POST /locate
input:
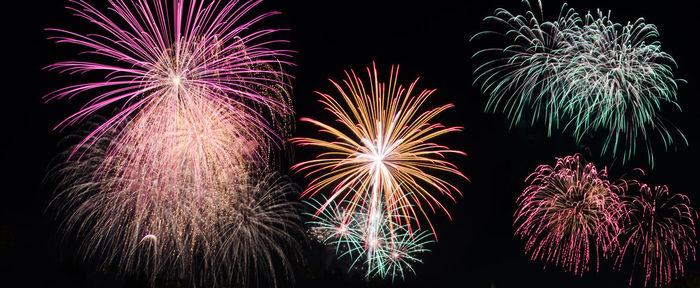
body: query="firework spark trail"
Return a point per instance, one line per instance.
(263, 228)
(388, 249)
(381, 148)
(659, 234)
(586, 75)
(569, 214)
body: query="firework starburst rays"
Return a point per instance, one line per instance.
(382, 146)
(198, 144)
(521, 75)
(200, 49)
(617, 79)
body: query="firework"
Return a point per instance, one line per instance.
(617, 80)
(263, 228)
(381, 147)
(659, 233)
(386, 248)
(333, 227)
(157, 59)
(396, 251)
(522, 79)
(586, 75)
(225, 233)
(201, 100)
(569, 214)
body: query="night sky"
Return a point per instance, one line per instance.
(428, 40)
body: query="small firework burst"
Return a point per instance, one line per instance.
(334, 227)
(569, 214)
(386, 248)
(397, 251)
(589, 75)
(659, 233)
(381, 147)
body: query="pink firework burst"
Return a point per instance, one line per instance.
(569, 214)
(157, 58)
(659, 233)
(201, 98)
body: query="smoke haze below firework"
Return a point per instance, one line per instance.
(429, 41)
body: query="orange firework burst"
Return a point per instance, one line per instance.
(382, 147)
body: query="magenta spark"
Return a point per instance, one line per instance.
(569, 214)
(659, 234)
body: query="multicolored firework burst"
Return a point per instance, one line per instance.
(587, 75)
(386, 252)
(382, 148)
(201, 101)
(659, 233)
(569, 214)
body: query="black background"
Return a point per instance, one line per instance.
(429, 40)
